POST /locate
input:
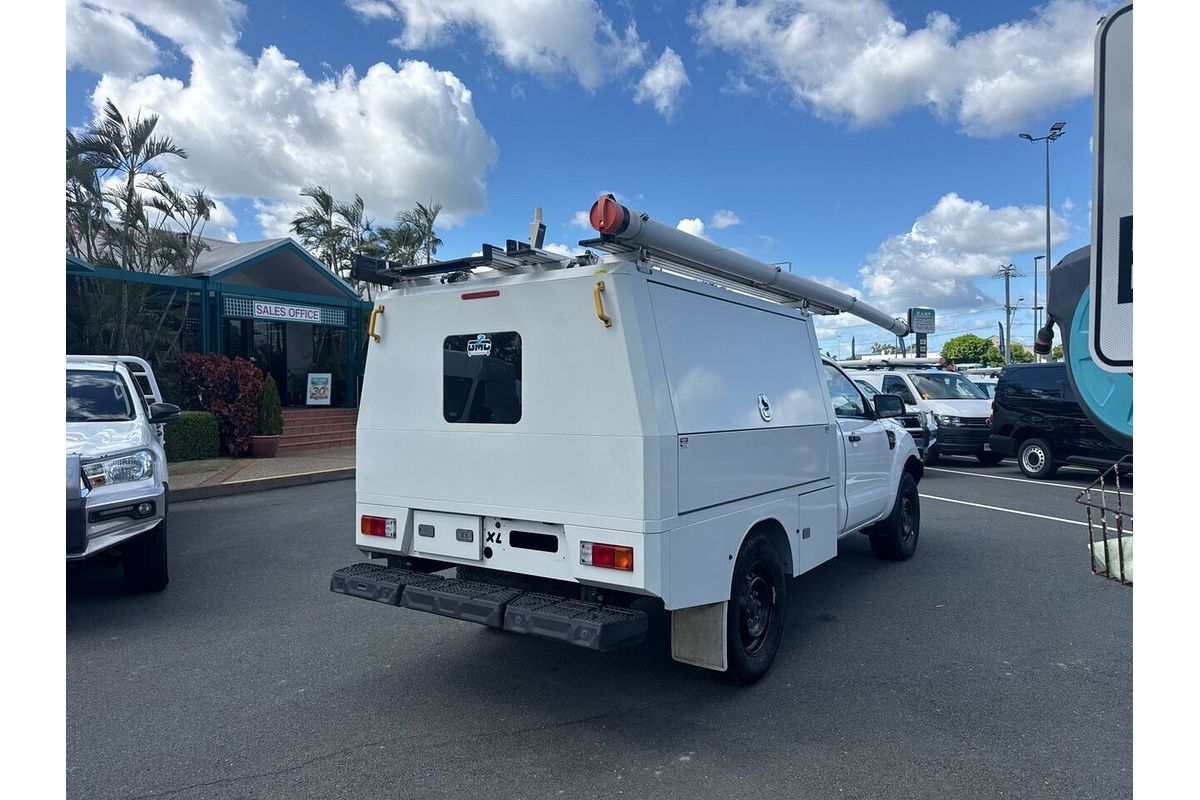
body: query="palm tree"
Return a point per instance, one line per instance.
(126, 148)
(87, 217)
(317, 227)
(421, 220)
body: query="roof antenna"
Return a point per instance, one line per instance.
(537, 231)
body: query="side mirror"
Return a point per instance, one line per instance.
(888, 405)
(163, 412)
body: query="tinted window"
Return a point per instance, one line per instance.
(97, 397)
(894, 384)
(945, 386)
(1045, 382)
(481, 378)
(987, 388)
(847, 402)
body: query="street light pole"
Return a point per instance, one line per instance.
(1055, 133)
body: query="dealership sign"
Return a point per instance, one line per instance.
(922, 320)
(1111, 324)
(294, 313)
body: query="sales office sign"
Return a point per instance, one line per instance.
(294, 313)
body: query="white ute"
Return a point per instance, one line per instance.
(116, 478)
(577, 434)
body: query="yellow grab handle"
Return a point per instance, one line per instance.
(375, 312)
(600, 304)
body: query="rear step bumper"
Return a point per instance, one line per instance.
(590, 625)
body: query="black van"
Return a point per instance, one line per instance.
(1036, 418)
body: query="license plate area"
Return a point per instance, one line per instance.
(439, 534)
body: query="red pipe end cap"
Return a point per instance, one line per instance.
(607, 215)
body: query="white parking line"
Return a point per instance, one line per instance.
(1006, 510)
(1019, 480)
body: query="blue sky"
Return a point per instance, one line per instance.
(872, 144)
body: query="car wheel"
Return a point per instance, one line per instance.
(145, 567)
(754, 620)
(1036, 459)
(895, 538)
(989, 457)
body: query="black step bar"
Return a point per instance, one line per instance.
(577, 622)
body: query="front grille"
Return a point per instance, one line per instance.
(976, 422)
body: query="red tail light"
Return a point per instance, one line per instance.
(610, 556)
(480, 295)
(378, 526)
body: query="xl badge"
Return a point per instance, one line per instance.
(481, 345)
(764, 408)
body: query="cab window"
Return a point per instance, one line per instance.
(894, 384)
(847, 400)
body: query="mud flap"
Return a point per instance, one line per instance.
(698, 636)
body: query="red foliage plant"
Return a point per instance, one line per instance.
(229, 388)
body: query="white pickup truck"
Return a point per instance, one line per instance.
(575, 434)
(116, 477)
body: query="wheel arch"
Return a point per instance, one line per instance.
(777, 535)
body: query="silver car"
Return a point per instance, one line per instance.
(116, 476)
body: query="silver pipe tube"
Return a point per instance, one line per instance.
(636, 228)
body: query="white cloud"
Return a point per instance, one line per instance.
(662, 83)
(693, 226)
(581, 220)
(103, 41)
(938, 261)
(855, 60)
(262, 128)
(724, 218)
(546, 37)
(561, 249)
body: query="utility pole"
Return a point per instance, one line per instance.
(1007, 272)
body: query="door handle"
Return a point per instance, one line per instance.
(854, 437)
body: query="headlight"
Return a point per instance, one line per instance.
(132, 467)
(948, 421)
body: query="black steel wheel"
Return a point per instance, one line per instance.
(1036, 459)
(754, 622)
(895, 538)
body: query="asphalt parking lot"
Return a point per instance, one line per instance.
(993, 664)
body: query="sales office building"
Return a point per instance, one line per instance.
(268, 301)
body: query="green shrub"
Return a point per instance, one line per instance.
(270, 410)
(193, 436)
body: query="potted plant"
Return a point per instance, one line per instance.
(265, 443)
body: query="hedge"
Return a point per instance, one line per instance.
(194, 435)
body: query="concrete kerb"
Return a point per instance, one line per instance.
(260, 484)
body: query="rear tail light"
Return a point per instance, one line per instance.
(378, 526)
(610, 556)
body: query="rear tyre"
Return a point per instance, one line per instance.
(989, 457)
(1036, 459)
(754, 620)
(145, 567)
(895, 538)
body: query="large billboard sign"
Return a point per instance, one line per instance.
(1111, 339)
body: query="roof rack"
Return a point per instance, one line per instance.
(631, 235)
(515, 254)
(890, 363)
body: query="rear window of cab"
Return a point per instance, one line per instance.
(481, 378)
